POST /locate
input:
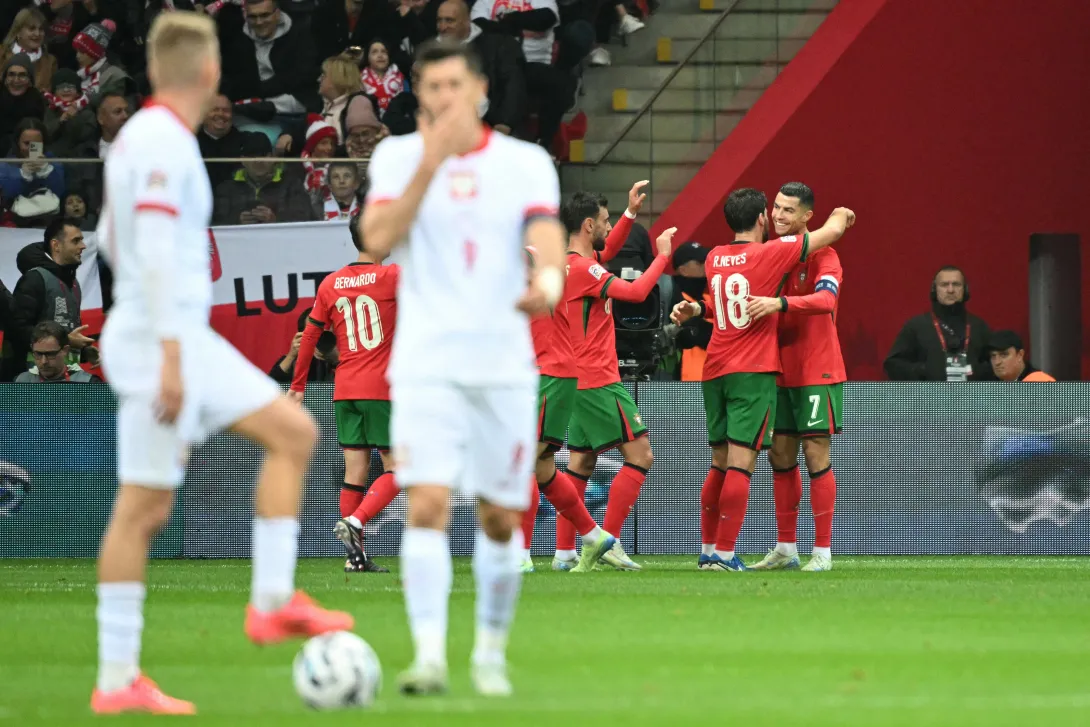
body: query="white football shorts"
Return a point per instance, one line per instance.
(481, 440)
(220, 387)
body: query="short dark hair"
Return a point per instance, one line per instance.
(441, 49)
(108, 95)
(29, 123)
(55, 229)
(354, 230)
(343, 164)
(579, 207)
(804, 194)
(743, 208)
(49, 329)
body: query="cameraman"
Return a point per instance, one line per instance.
(691, 284)
(947, 344)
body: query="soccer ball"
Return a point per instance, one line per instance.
(337, 670)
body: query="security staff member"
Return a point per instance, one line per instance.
(1009, 362)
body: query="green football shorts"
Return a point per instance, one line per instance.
(363, 423)
(555, 403)
(810, 411)
(604, 417)
(741, 409)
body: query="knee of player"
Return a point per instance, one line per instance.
(300, 435)
(639, 454)
(497, 523)
(720, 457)
(428, 506)
(816, 452)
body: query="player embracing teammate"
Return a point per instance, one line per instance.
(739, 381)
(359, 302)
(810, 396)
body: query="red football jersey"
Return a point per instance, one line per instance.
(589, 318)
(552, 341)
(809, 346)
(735, 272)
(359, 301)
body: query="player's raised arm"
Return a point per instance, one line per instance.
(638, 290)
(834, 228)
(619, 234)
(822, 301)
(400, 174)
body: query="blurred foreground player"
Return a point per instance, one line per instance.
(360, 302)
(810, 391)
(604, 415)
(743, 360)
(457, 203)
(176, 380)
(556, 399)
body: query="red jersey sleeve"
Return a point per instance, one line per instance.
(828, 275)
(589, 279)
(786, 252)
(318, 318)
(618, 236)
(637, 291)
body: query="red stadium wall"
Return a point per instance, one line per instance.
(954, 128)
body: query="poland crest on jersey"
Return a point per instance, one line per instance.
(463, 185)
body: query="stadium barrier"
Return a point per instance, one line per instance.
(921, 468)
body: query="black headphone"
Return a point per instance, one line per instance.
(945, 268)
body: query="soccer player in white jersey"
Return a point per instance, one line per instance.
(176, 380)
(457, 203)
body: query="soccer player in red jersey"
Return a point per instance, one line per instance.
(810, 396)
(605, 415)
(739, 378)
(556, 400)
(360, 302)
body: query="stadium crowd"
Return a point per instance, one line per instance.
(309, 79)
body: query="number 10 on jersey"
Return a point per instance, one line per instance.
(361, 322)
(731, 300)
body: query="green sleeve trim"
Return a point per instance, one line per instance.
(605, 286)
(805, 247)
(783, 304)
(314, 322)
(783, 282)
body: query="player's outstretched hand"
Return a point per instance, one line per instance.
(296, 396)
(849, 216)
(454, 131)
(636, 197)
(759, 307)
(665, 243)
(76, 339)
(683, 311)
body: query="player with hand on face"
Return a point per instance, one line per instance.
(604, 415)
(359, 301)
(743, 360)
(457, 204)
(810, 391)
(556, 398)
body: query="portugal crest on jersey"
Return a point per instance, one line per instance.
(802, 277)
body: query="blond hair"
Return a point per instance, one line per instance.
(177, 42)
(343, 73)
(25, 17)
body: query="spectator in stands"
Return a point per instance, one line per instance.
(64, 20)
(27, 35)
(99, 77)
(947, 344)
(47, 291)
(1008, 357)
(552, 88)
(341, 24)
(35, 177)
(321, 143)
(75, 209)
(49, 348)
(364, 129)
(19, 99)
(5, 306)
(262, 191)
(339, 80)
(381, 78)
(606, 17)
(400, 116)
(340, 199)
(690, 283)
(112, 112)
(501, 61)
(322, 366)
(272, 60)
(219, 138)
(70, 123)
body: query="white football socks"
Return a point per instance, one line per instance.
(787, 548)
(120, 622)
(827, 552)
(593, 535)
(275, 547)
(426, 576)
(496, 571)
(707, 549)
(725, 554)
(567, 555)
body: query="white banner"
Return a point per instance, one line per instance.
(269, 265)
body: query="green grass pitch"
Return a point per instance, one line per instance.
(877, 642)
